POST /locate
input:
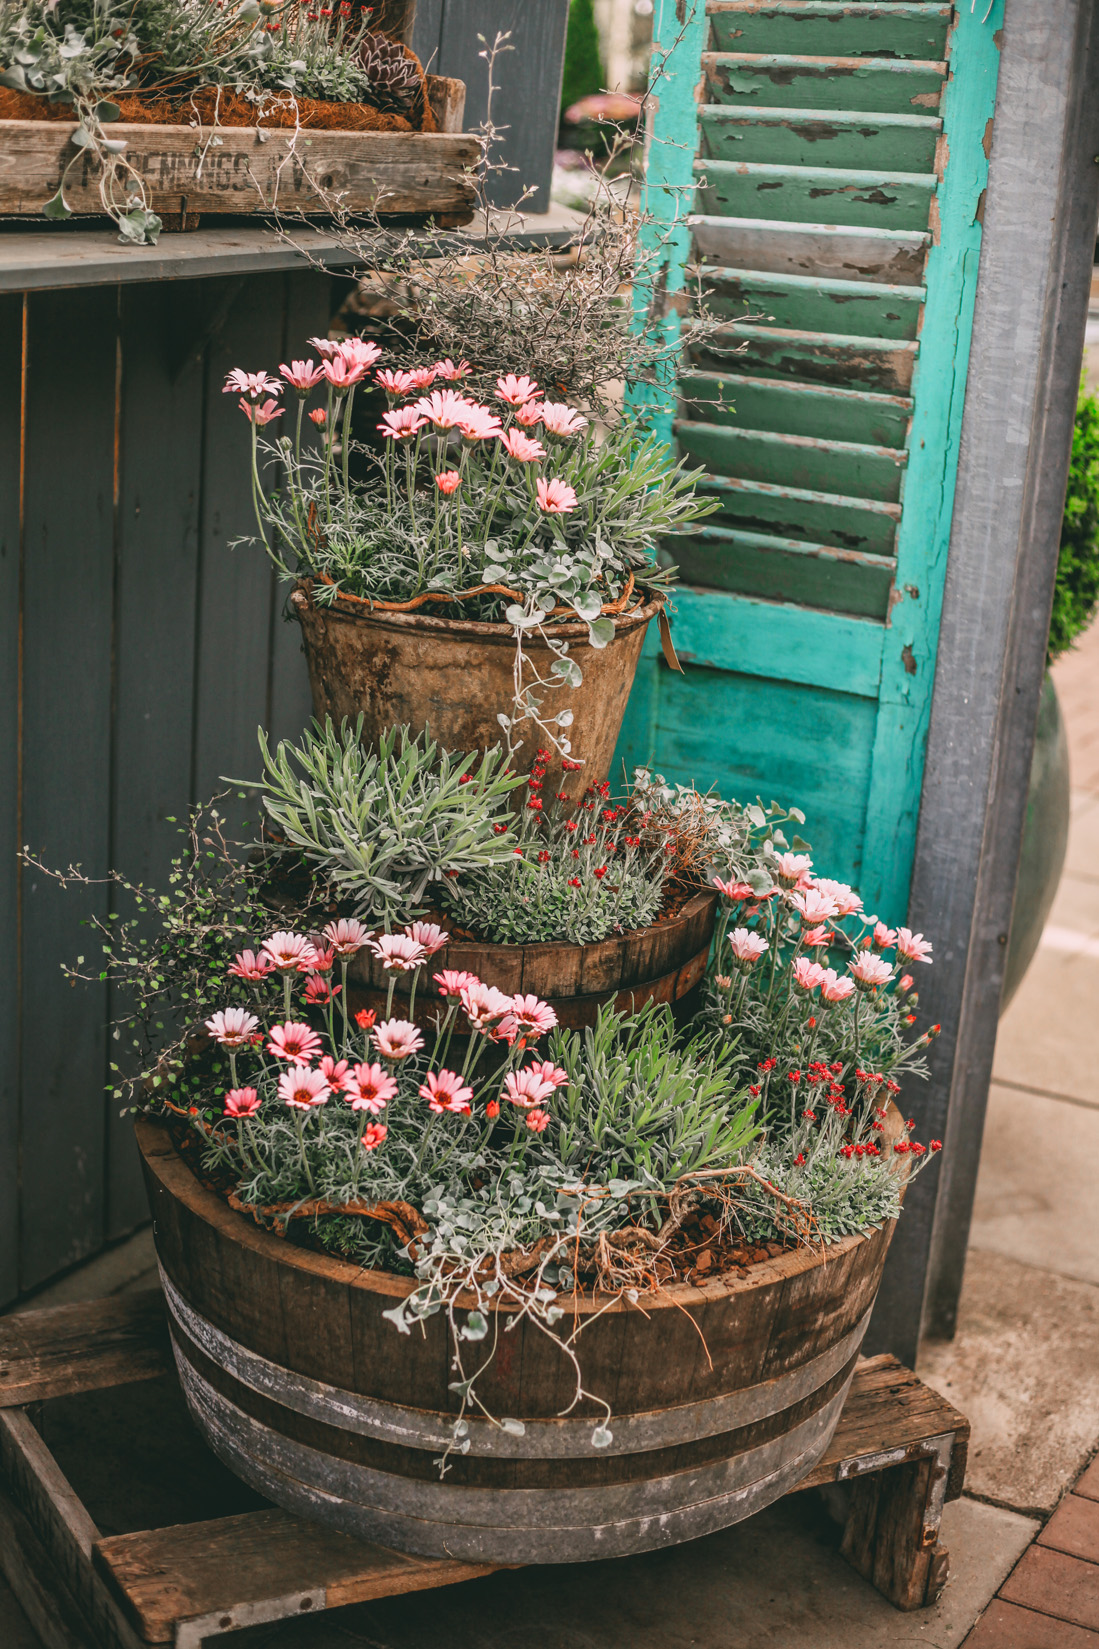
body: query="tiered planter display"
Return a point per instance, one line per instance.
(724, 1396)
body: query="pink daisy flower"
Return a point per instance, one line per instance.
(299, 1043)
(870, 970)
(335, 1073)
(319, 417)
(562, 420)
(343, 374)
(516, 391)
(449, 372)
(444, 407)
(247, 965)
(241, 1102)
(428, 935)
(397, 952)
(370, 1088)
(793, 868)
(807, 974)
(526, 1088)
(746, 946)
(479, 424)
(347, 936)
(318, 991)
(813, 906)
(260, 415)
(452, 981)
(913, 946)
(484, 1005)
(448, 481)
(445, 1091)
(400, 425)
(325, 347)
(232, 1027)
(302, 375)
(532, 1015)
(397, 1038)
(883, 936)
(423, 376)
(554, 497)
(302, 1088)
(255, 384)
(546, 1071)
(736, 891)
(529, 415)
(289, 952)
(358, 352)
(374, 1135)
(520, 446)
(395, 383)
(537, 1121)
(835, 989)
(845, 899)
(817, 936)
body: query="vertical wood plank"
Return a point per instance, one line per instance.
(427, 29)
(309, 300)
(67, 649)
(236, 588)
(939, 388)
(11, 355)
(527, 106)
(160, 445)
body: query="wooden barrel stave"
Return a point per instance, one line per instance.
(304, 1390)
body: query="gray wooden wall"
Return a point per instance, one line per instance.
(137, 657)
(444, 37)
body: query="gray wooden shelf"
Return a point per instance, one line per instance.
(49, 256)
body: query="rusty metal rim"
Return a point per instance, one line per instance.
(543, 1439)
(467, 628)
(507, 1525)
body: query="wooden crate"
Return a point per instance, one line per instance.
(242, 170)
(898, 1454)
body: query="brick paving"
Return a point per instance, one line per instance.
(1050, 1600)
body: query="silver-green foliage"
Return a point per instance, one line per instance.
(383, 824)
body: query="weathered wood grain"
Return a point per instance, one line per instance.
(815, 303)
(810, 137)
(894, 256)
(814, 194)
(11, 465)
(810, 461)
(884, 365)
(860, 524)
(782, 569)
(163, 1576)
(244, 171)
(873, 85)
(795, 408)
(829, 28)
(41, 1594)
(85, 1347)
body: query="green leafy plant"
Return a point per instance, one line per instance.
(380, 826)
(1076, 590)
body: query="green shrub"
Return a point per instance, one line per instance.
(1076, 591)
(583, 73)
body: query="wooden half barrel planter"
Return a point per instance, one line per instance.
(455, 677)
(723, 1396)
(664, 962)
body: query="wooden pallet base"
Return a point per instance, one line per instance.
(897, 1456)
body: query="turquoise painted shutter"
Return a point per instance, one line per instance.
(825, 163)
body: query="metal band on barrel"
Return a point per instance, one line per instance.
(542, 1439)
(506, 1525)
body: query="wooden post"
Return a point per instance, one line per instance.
(1039, 234)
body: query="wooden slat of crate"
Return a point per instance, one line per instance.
(226, 1567)
(241, 171)
(72, 1348)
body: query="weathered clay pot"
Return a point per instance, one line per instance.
(454, 677)
(723, 1396)
(660, 963)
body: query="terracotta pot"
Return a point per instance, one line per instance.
(723, 1396)
(660, 963)
(454, 677)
